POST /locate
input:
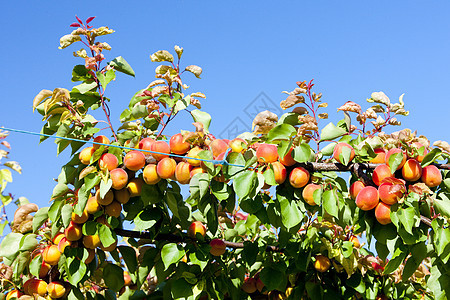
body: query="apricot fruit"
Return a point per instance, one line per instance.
(85, 155)
(102, 220)
(308, 193)
(100, 139)
(183, 172)
(178, 145)
(92, 206)
(396, 150)
(367, 198)
(51, 255)
(355, 188)
(419, 146)
(431, 176)
(218, 147)
(114, 209)
(108, 161)
(412, 170)
(338, 151)
(380, 158)
(36, 286)
(123, 196)
(288, 160)
(299, 177)
(119, 178)
(249, 285)
(107, 199)
(197, 170)
(14, 294)
(150, 174)
(91, 241)
(322, 263)
(73, 232)
(91, 256)
(56, 290)
(218, 247)
(57, 238)
(237, 145)
(145, 144)
(110, 247)
(196, 227)
(79, 219)
(45, 268)
(267, 153)
(135, 187)
(194, 154)
(161, 147)
(388, 194)
(134, 160)
(166, 168)
(126, 278)
(280, 172)
(381, 172)
(63, 243)
(383, 213)
(355, 241)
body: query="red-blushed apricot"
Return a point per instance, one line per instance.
(63, 243)
(308, 193)
(166, 168)
(135, 187)
(91, 256)
(134, 160)
(355, 241)
(390, 193)
(217, 247)
(145, 144)
(288, 160)
(412, 170)
(91, 241)
(14, 294)
(119, 178)
(217, 147)
(161, 147)
(113, 209)
(420, 146)
(380, 158)
(150, 174)
(108, 161)
(102, 220)
(431, 176)
(194, 154)
(280, 172)
(183, 172)
(92, 206)
(367, 198)
(196, 227)
(123, 196)
(56, 289)
(51, 255)
(178, 145)
(383, 213)
(45, 268)
(27, 284)
(396, 150)
(197, 171)
(107, 199)
(110, 247)
(85, 155)
(237, 145)
(267, 153)
(126, 278)
(36, 286)
(355, 188)
(338, 150)
(299, 177)
(100, 139)
(73, 232)
(80, 219)
(57, 238)
(322, 263)
(249, 285)
(381, 172)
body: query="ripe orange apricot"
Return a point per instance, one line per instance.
(123, 196)
(217, 147)
(380, 158)
(197, 171)
(338, 150)
(194, 154)
(431, 176)
(14, 294)
(238, 145)
(367, 198)
(161, 147)
(280, 172)
(383, 213)
(63, 243)
(135, 187)
(57, 238)
(51, 255)
(412, 170)
(355, 241)
(85, 155)
(166, 168)
(381, 172)
(91, 241)
(110, 247)
(36, 286)
(267, 153)
(322, 263)
(134, 160)
(299, 177)
(183, 172)
(100, 139)
(114, 209)
(249, 285)
(108, 161)
(196, 227)
(288, 160)
(79, 219)
(92, 206)
(389, 194)
(56, 289)
(119, 178)
(126, 278)
(107, 199)
(45, 268)
(355, 188)
(145, 144)
(218, 247)
(178, 145)
(91, 256)
(396, 150)
(73, 232)
(308, 193)
(150, 174)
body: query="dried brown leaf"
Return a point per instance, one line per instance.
(323, 116)
(291, 100)
(155, 83)
(324, 104)
(351, 106)
(443, 145)
(196, 70)
(300, 110)
(263, 122)
(198, 95)
(22, 217)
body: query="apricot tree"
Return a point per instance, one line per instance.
(270, 214)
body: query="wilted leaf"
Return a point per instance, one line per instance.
(80, 53)
(23, 221)
(14, 165)
(323, 116)
(443, 145)
(379, 97)
(291, 100)
(199, 95)
(196, 70)
(161, 55)
(178, 50)
(42, 96)
(154, 83)
(101, 31)
(300, 110)
(263, 122)
(68, 40)
(350, 106)
(323, 104)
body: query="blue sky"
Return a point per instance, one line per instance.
(245, 48)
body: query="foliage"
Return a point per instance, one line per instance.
(280, 224)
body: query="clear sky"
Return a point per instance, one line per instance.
(248, 50)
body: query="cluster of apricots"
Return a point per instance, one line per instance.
(391, 187)
(218, 246)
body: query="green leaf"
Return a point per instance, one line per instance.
(66, 214)
(395, 161)
(396, 260)
(106, 235)
(85, 87)
(442, 205)
(431, 157)
(39, 218)
(129, 256)
(290, 214)
(147, 218)
(9, 248)
(113, 277)
(328, 149)
(273, 278)
(59, 190)
(35, 265)
(171, 253)
(106, 78)
(407, 217)
(243, 183)
(302, 153)
(330, 202)
(54, 212)
(202, 117)
(345, 154)
(330, 132)
(281, 132)
(181, 289)
(28, 242)
(121, 65)
(250, 252)
(105, 187)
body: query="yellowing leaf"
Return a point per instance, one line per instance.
(161, 55)
(43, 95)
(101, 31)
(323, 116)
(80, 53)
(196, 70)
(198, 95)
(323, 104)
(14, 165)
(155, 82)
(68, 40)
(178, 50)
